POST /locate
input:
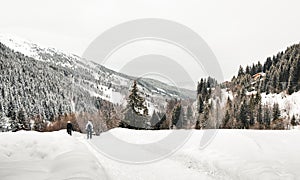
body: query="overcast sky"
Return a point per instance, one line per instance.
(238, 32)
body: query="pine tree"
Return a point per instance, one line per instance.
(154, 118)
(136, 111)
(200, 104)
(229, 103)
(251, 108)
(247, 71)
(267, 117)
(176, 116)
(292, 78)
(200, 86)
(136, 102)
(241, 71)
(189, 113)
(189, 116)
(257, 98)
(276, 111)
(226, 119)
(244, 114)
(259, 114)
(205, 119)
(293, 121)
(198, 125)
(23, 120)
(251, 117)
(259, 67)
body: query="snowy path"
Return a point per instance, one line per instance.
(169, 168)
(233, 154)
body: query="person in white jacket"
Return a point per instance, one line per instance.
(89, 129)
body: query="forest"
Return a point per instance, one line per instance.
(44, 95)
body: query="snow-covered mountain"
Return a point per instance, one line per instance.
(76, 78)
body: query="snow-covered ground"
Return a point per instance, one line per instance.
(288, 104)
(232, 154)
(52, 156)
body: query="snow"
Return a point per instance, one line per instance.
(288, 104)
(232, 154)
(20, 45)
(139, 137)
(226, 94)
(31, 49)
(117, 98)
(251, 93)
(161, 90)
(55, 155)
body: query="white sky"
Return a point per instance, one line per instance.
(238, 32)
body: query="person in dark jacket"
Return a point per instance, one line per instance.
(69, 128)
(89, 129)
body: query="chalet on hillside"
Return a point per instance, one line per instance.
(258, 76)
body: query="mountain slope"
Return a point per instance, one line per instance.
(261, 96)
(39, 81)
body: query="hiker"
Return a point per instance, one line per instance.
(89, 129)
(69, 128)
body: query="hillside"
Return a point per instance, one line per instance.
(45, 83)
(280, 73)
(262, 96)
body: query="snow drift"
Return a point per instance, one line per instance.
(56, 155)
(232, 154)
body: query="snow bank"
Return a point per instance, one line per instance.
(232, 154)
(32, 155)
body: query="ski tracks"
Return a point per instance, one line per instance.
(92, 149)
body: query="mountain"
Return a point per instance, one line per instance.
(43, 81)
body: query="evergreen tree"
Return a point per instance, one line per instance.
(276, 111)
(154, 118)
(251, 117)
(292, 82)
(247, 71)
(200, 86)
(251, 108)
(293, 121)
(205, 119)
(259, 117)
(136, 102)
(23, 120)
(226, 119)
(267, 116)
(200, 104)
(241, 71)
(189, 116)
(198, 125)
(189, 113)
(244, 115)
(176, 116)
(259, 67)
(229, 103)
